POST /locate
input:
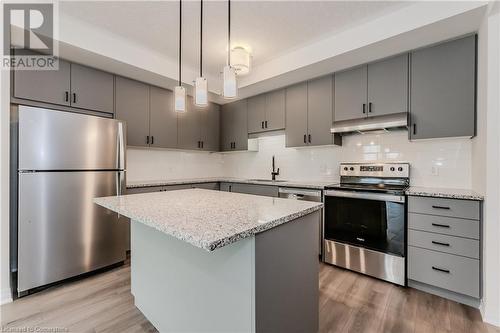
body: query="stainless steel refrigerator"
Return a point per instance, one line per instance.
(64, 161)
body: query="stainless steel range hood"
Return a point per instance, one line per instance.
(370, 124)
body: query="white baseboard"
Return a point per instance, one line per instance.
(5, 296)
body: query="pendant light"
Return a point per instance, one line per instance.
(200, 84)
(230, 88)
(179, 91)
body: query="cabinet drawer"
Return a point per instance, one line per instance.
(447, 271)
(444, 225)
(442, 243)
(147, 189)
(466, 209)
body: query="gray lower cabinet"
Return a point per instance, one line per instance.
(91, 89)
(309, 113)
(162, 118)
(442, 90)
(132, 106)
(48, 86)
(444, 247)
(266, 112)
(233, 126)
(265, 190)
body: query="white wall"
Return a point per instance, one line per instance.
(485, 156)
(451, 158)
(145, 164)
(4, 180)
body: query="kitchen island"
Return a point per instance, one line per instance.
(210, 261)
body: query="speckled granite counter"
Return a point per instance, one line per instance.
(208, 219)
(450, 193)
(319, 185)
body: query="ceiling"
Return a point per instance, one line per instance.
(268, 28)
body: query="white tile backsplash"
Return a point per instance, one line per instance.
(436, 163)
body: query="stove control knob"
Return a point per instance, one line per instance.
(351, 168)
(392, 169)
(346, 168)
(400, 169)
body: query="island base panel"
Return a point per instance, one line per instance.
(264, 283)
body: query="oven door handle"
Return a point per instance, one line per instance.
(365, 195)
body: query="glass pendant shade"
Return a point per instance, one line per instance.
(179, 99)
(230, 89)
(240, 60)
(200, 92)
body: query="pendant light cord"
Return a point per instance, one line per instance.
(229, 32)
(180, 41)
(201, 38)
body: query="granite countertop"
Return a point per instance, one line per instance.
(451, 193)
(205, 218)
(318, 185)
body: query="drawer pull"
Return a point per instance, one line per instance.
(440, 207)
(439, 243)
(441, 270)
(440, 225)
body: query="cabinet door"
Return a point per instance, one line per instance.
(132, 106)
(210, 127)
(256, 113)
(226, 127)
(47, 86)
(388, 86)
(240, 123)
(91, 89)
(275, 110)
(443, 90)
(264, 190)
(163, 118)
(350, 94)
(320, 111)
(296, 115)
(189, 130)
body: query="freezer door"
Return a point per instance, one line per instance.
(57, 140)
(62, 233)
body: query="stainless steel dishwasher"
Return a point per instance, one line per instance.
(305, 195)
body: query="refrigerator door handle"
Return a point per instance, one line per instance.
(121, 146)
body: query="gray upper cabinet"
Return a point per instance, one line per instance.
(351, 94)
(296, 115)
(188, 135)
(234, 128)
(256, 113)
(275, 110)
(198, 128)
(266, 112)
(132, 106)
(91, 89)
(320, 111)
(162, 118)
(44, 86)
(210, 128)
(442, 90)
(388, 86)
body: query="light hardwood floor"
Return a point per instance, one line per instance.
(349, 302)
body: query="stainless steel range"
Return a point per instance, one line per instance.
(365, 220)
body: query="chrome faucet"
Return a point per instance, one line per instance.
(274, 173)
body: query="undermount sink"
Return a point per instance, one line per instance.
(268, 180)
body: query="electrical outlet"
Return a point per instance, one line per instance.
(435, 170)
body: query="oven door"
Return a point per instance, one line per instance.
(371, 220)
